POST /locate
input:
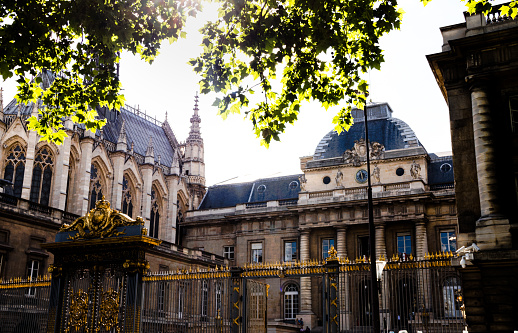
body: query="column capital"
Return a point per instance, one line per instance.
(478, 82)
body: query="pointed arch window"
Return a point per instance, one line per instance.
(154, 220)
(15, 168)
(96, 188)
(42, 176)
(127, 197)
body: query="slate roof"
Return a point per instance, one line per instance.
(260, 190)
(440, 170)
(138, 129)
(383, 128)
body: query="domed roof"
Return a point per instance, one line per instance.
(390, 132)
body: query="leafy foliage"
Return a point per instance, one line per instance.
(318, 49)
(80, 41)
(291, 51)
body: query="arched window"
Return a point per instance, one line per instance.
(96, 188)
(15, 168)
(451, 291)
(42, 177)
(291, 301)
(127, 197)
(154, 219)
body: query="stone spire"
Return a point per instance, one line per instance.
(150, 152)
(195, 134)
(122, 139)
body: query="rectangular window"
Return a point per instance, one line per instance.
(448, 241)
(33, 267)
(326, 246)
(404, 244)
(363, 247)
(228, 252)
(257, 252)
(290, 251)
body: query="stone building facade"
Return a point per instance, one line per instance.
(135, 162)
(476, 72)
(299, 217)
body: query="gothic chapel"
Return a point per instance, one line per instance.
(135, 162)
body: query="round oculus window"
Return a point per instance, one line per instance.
(446, 167)
(261, 189)
(293, 185)
(326, 180)
(400, 171)
(361, 176)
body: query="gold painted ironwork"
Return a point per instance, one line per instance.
(109, 311)
(100, 222)
(78, 310)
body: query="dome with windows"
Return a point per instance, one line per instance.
(391, 132)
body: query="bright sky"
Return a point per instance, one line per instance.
(231, 149)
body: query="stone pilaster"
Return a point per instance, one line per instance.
(29, 164)
(83, 174)
(168, 232)
(59, 196)
(492, 229)
(118, 173)
(147, 177)
(421, 240)
(381, 246)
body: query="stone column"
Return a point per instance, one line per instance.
(305, 283)
(492, 229)
(341, 242)
(421, 240)
(424, 279)
(83, 174)
(381, 246)
(344, 295)
(59, 195)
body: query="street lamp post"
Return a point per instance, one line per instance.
(375, 311)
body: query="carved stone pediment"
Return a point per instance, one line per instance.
(358, 153)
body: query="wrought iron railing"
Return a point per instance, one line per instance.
(24, 305)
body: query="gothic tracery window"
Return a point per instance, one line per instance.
(127, 198)
(42, 176)
(15, 168)
(96, 189)
(154, 220)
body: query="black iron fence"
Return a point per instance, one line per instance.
(24, 305)
(203, 300)
(414, 296)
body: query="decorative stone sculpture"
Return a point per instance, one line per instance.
(376, 174)
(339, 178)
(415, 170)
(302, 181)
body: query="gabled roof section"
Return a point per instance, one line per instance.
(260, 190)
(138, 132)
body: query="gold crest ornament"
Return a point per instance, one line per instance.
(100, 222)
